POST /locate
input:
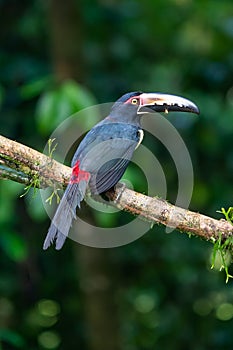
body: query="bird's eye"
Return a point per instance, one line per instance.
(134, 101)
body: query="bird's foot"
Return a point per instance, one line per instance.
(120, 187)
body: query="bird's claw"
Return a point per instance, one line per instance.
(121, 186)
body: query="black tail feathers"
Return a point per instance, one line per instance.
(65, 213)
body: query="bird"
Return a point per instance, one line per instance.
(105, 152)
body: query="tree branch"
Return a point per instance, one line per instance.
(25, 165)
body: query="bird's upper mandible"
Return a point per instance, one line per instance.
(156, 102)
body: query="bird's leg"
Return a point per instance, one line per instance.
(121, 186)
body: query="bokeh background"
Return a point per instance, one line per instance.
(57, 57)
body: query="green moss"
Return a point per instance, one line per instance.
(54, 194)
(223, 248)
(34, 183)
(51, 147)
(227, 213)
(223, 251)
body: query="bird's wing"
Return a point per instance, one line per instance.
(105, 153)
(112, 168)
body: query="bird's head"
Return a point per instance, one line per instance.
(134, 104)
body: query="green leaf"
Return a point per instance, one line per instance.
(35, 87)
(12, 338)
(63, 108)
(14, 246)
(227, 213)
(77, 95)
(46, 111)
(56, 105)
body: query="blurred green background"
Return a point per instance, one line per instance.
(159, 292)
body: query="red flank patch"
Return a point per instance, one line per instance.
(79, 174)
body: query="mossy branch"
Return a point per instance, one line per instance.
(26, 165)
(23, 164)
